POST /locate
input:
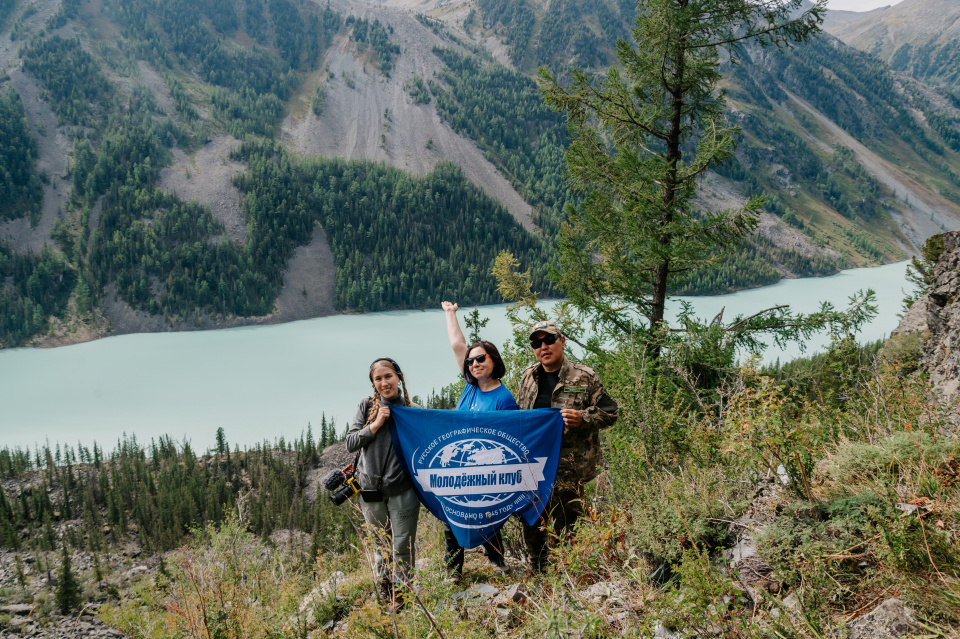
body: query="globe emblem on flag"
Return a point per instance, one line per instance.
(475, 452)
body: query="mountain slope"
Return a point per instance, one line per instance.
(368, 115)
(856, 160)
(796, 107)
(147, 209)
(920, 37)
(209, 163)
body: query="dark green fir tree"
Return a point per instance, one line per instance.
(68, 587)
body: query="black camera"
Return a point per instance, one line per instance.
(342, 485)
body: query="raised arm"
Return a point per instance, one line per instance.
(457, 341)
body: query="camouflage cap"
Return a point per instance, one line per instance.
(545, 327)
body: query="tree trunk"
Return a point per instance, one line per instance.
(674, 153)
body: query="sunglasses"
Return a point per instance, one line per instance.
(479, 359)
(549, 340)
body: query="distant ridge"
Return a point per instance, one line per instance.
(921, 37)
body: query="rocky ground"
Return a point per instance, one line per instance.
(28, 609)
(933, 323)
(335, 457)
(503, 598)
(206, 177)
(54, 143)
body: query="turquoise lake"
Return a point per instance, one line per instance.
(260, 383)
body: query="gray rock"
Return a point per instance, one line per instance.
(136, 572)
(889, 620)
(660, 631)
(425, 564)
(477, 593)
(516, 594)
(938, 314)
(749, 569)
(790, 604)
(17, 609)
(908, 509)
(308, 600)
(332, 583)
(604, 592)
(920, 318)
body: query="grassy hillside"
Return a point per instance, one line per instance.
(792, 508)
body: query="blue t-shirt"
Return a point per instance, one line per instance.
(500, 398)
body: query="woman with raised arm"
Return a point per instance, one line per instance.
(388, 500)
(481, 367)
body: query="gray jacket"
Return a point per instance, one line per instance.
(378, 459)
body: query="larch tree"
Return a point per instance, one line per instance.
(642, 138)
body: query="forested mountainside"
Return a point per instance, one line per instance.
(182, 165)
(845, 150)
(919, 37)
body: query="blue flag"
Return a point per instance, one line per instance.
(473, 469)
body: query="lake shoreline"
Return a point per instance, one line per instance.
(125, 320)
(99, 328)
(263, 381)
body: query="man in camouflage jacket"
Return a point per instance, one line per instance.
(555, 381)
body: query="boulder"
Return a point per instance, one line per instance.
(604, 592)
(308, 601)
(17, 609)
(750, 570)
(329, 587)
(889, 620)
(477, 594)
(660, 631)
(921, 317)
(513, 594)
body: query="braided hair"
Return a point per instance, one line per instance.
(375, 404)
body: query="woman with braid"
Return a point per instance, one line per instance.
(481, 367)
(388, 500)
